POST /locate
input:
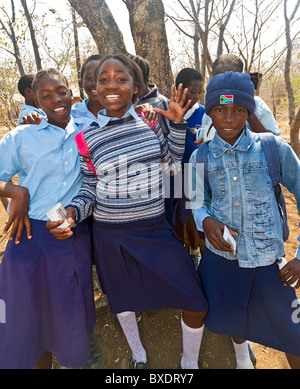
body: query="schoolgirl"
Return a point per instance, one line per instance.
(141, 264)
(46, 284)
(249, 298)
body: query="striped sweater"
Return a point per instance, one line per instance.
(130, 158)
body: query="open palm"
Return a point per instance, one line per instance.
(177, 107)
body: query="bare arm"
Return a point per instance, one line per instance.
(18, 210)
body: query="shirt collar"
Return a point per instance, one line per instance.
(220, 146)
(191, 111)
(103, 120)
(71, 127)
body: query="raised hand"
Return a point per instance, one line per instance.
(177, 106)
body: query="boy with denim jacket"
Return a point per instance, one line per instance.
(247, 295)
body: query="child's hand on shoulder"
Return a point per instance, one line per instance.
(214, 232)
(63, 233)
(32, 118)
(177, 107)
(290, 273)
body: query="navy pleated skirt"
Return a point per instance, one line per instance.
(251, 304)
(47, 288)
(143, 266)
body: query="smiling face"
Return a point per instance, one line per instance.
(115, 87)
(89, 81)
(229, 121)
(55, 99)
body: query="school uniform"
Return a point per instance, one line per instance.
(141, 264)
(246, 296)
(45, 283)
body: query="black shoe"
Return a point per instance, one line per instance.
(133, 364)
(97, 354)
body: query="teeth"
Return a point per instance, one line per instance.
(227, 129)
(59, 109)
(111, 96)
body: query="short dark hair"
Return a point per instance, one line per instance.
(133, 68)
(143, 64)
(229, 59)
(93, 57)
(50, 72)
(25, 82)
(186, 76)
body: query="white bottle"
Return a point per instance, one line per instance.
(282, 262)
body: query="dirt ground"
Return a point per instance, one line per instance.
(160, 330)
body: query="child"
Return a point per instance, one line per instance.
(245, 290)
(183, 218)
(90, 106)
(261, 121)
(46, 284)
(25, 89)
(141, 264)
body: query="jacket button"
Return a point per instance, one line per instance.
(236, 205)
(234, 178)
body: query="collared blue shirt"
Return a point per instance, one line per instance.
(243, 196)
(46, 160)
(80, 110)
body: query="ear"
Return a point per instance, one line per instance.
(71, 92)
(135, 90)
(36, 102)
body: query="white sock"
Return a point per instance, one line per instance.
(241, 351)
(191, 339)
(243, 360)
(131, 331)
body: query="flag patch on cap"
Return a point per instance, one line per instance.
(226, 99)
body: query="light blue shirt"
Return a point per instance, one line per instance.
(26, 109)
(243, 196)
(80, 110)
(46, 160)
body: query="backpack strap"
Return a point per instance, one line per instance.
(201, 157)
(270, 150)
(84, 151)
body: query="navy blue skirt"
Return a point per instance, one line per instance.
(48, 292)
(143, 266)
(251, 304)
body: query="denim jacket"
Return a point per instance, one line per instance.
(243, 197)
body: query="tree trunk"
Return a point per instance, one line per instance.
(146, 18)
(101, 24)
(77, 53)
(294, 134)
(32, 35)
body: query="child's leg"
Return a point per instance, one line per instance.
(131, 331)
(192, 325)
(45, 362)
(192, 233)
(241, 349)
